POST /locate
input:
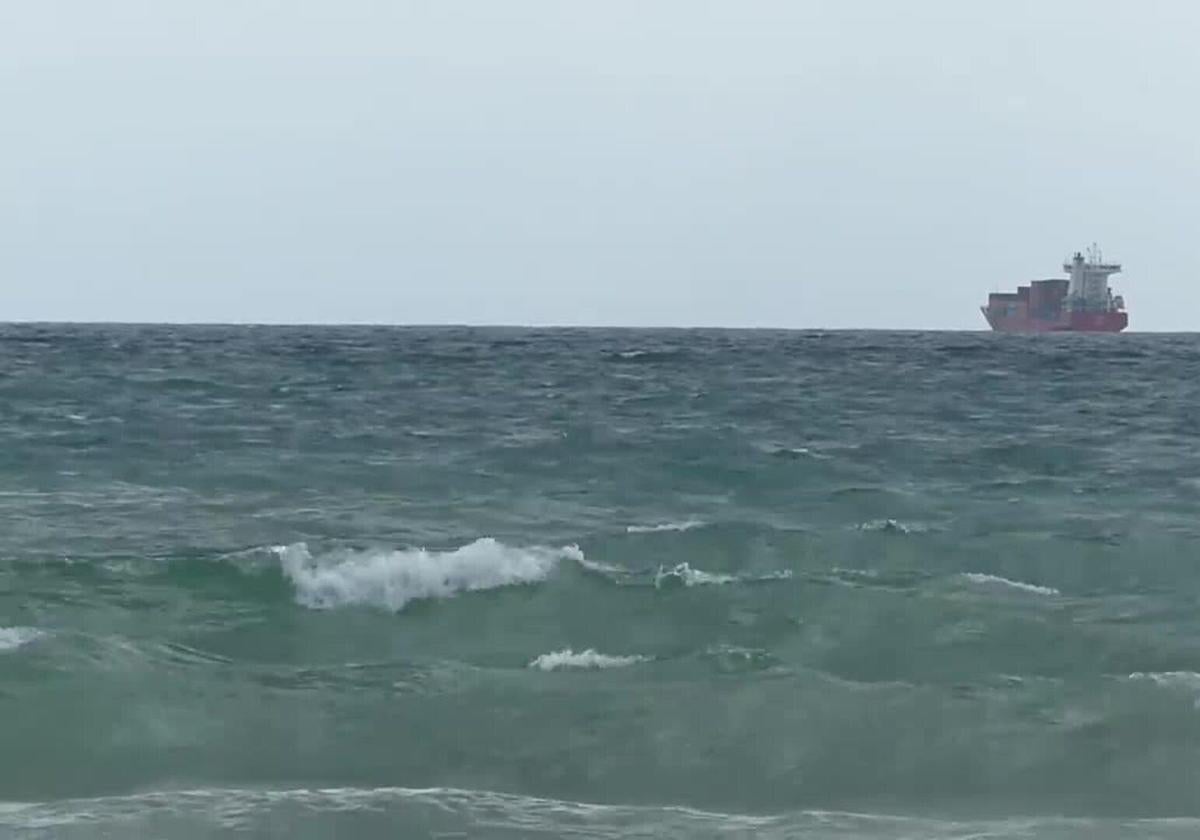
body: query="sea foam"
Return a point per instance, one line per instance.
(1176, 679)
(893, 526)
(392, 579)
(995, 580)
(684, 574)
(686, 525)
(12, 638)
(1188, 681)
(587, 659)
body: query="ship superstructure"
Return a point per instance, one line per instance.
(1083, 302)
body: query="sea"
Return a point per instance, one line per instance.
(454, 582)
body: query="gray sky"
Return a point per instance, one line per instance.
(847, 163)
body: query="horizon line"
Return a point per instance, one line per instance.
(516, 326)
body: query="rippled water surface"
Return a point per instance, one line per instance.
(507, 583)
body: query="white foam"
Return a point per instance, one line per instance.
(688, 576)
(686, 525)
(603, 569)
(685, 574)
(1178, 679)
(392, 579)
(893, 526)
(12, 638)
(995, 580)
(587, 659)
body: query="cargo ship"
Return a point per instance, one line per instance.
(1081, 302)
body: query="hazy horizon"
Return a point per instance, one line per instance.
(464, 325)
(848, 165)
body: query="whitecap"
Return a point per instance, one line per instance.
(686, 525)
(456, 812)
(1189, 681)
(586, 659)
(994, 580)
(1177, 679)
(12, 638)
(392, 579)
(684, 574)
(893, 526)
(794, 452)
(603, 569)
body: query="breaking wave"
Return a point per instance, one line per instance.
(587, 659)
(792, 452)
(646, 356)
(687, 576)
(684, 575)
(994, 580)
(12, 638)
(456, 812)
(616, 574)
(1173, 679)
(393, 579)
(686, 525)
(893, 526)
(1185, 681)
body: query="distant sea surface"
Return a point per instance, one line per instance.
(369, 582)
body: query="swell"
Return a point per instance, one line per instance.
(395, 578)
(325, 722)
(455, 812)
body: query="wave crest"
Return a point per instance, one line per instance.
(893, 526)
(12, 638)
(686, 525)
(646, 356)
(393, 579)
(1176, 679)
(683, 574)
(587, 659)
(995, 580)
(456, 812)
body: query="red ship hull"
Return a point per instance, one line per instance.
(1108, 322)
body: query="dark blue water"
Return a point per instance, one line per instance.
(507, 583)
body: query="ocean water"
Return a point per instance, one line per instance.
(368, 582)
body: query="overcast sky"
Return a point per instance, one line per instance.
(847, 163)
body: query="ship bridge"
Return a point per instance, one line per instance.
(1089, 291)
